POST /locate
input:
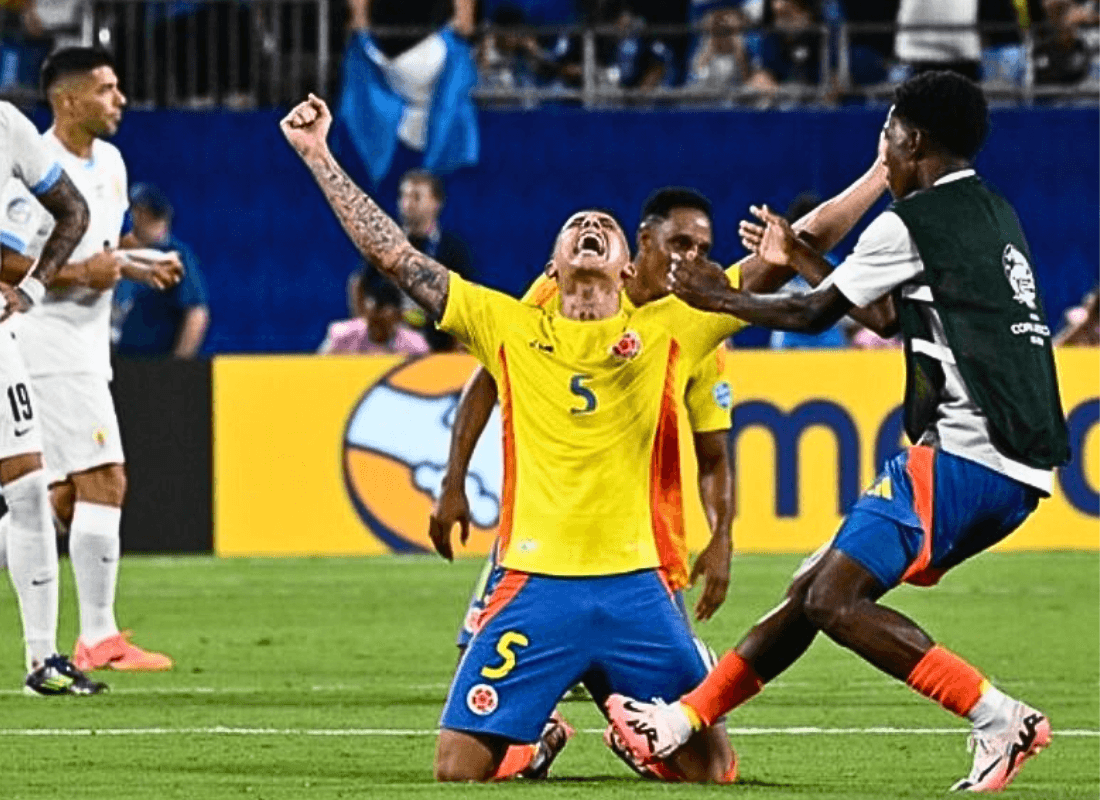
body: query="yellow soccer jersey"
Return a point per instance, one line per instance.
(588, 414)
(707, 403)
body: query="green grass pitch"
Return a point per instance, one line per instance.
(323, 678)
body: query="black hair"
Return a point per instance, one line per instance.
(435, 183)
(73, 61)
(377, 288)
(949, 107)
(661, 202)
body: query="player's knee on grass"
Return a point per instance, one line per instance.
(104, 485)
(464, 757)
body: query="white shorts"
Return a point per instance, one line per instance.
(79, 426)
(19, 406)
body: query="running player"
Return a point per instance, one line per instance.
(65, 344)
(588, 394)
(981, 405)
(27, 544)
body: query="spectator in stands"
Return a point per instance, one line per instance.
(721, 60)
(1061, 54)
(1004, 25)
(377, 328)
(25, 43)
(1082, 326)
(789, 340)
(409, 93)
(510, 59)
(922, 50)
(629, 58)
(148, 321)
(791, 52)
(870, 52)
(419, 203)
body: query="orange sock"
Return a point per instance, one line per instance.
(516, 759)
(730, 683)
(944, 677)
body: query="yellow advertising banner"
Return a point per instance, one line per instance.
(340, 455)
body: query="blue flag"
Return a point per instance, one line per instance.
(371, 111)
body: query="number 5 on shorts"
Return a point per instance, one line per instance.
(505, 643)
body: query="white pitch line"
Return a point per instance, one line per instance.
(221, 730)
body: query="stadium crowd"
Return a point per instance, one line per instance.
(755, 52)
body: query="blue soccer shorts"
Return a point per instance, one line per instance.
(928, 511)
(540, 635)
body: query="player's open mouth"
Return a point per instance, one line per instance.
(591, 243)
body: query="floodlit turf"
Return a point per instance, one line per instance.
(324, 678)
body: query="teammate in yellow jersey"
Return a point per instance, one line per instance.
(674, 219)
(588, 393)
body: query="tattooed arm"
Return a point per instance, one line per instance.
(370, 229)
(70, 212)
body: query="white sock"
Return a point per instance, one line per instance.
(993, 710)
(32, 559)
(5, 523)
(94, 549)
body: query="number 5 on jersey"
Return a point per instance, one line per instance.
(577, 387)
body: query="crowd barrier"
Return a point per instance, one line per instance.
(341, 455)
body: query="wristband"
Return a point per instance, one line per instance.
(33, 288)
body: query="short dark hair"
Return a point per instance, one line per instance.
(661, 202)
(152, 199)
(435, 183)
(384, 294)
(949, 107)
(73, 61)
(372, 285)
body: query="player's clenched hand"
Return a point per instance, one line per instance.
(14, 302)
(306, 126)
(698, 282)
(103, 270)
(450, 508)
(774, 241)
(713, 564)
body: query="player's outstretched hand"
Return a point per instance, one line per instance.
(774, 242)
(698, 282)
(451, 508)
(14, 302)
(713, 565)
(306, 126)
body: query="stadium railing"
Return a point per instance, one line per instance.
(261, 53)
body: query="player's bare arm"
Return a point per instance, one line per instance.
(71, 216)
(822, 229)
(370, 229)
(880, 316)
(697, 283)
(716, 492)
(475, 406)
(101, 271)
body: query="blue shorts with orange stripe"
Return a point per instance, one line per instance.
(487, 582)
(928, 511)
(540, 635)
